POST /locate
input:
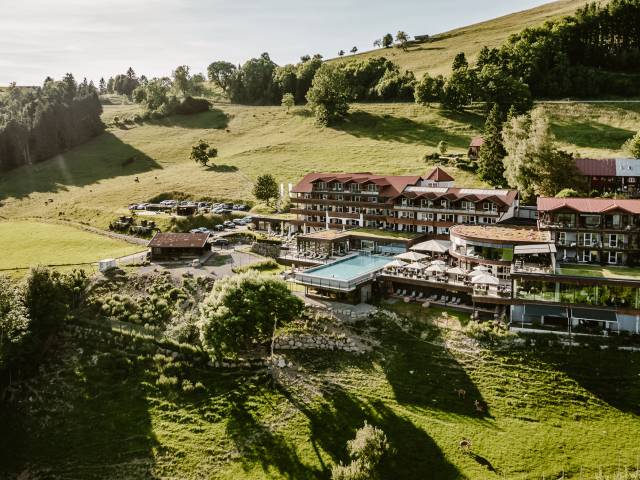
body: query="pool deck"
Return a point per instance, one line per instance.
(355, 275)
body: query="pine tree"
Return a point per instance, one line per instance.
(102, 86)
(490, 166)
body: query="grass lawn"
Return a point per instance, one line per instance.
(548, 412)
(95, 182)
(29, 243)
(599, 271)
(436, 56)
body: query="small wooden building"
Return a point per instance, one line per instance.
(474, 148)
(175, 246)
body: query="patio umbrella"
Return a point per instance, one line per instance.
(435, 246)
(411, 256)
(437, 268)
(485, 279)
(438, 262)
(456, 271)
(416, 266)
(395, 264)
(480, 268)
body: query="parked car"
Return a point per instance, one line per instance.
(219, 227)
(199, 230)
(221, 242)
(241, 207)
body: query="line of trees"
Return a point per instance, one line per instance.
(594, 52)
(37, 123)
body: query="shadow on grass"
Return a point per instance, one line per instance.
(102, 158)
(215, 119)
(590, 134)
(396, 129)
(258, 444)
(95, 425)
(612, 376)
(422, 372)
(336, 418)
(222, 168)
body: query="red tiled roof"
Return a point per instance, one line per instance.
(389, 184)
(473, 195)
(476, 142)
(439, 175)
(593, 167)
(179, 240)
(588, 205)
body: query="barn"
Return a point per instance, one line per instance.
(174, 246)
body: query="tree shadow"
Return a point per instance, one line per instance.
(612, 376)
(397, 129)
(334, 420)
(104, 157)
(215, 119)
(94, 424)
(222, 168)
(590, 134)
(257, 443)
(422, 372)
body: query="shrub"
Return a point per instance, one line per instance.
(191, 105)
(366, 451)
(166, 382)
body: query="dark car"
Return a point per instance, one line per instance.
(219, 227)
(221, 242)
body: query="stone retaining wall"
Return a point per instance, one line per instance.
(318, 342)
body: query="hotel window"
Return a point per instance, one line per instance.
(372, 199)
(490, 207)
(443, 203)
(587, 239)
(339, 197)
(337, 186)
(466, 205)
(372, 187)
(430, 216)
(562, 238)
(356, 198)
(586, 256)
(613, 258)
(354, 187)
(613, 240)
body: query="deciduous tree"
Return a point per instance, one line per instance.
(387, 40)
(266, 188)
(202, 152)
(329, 94)
(221, 73)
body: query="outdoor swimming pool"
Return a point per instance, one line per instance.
(350, 268)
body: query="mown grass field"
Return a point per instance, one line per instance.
(27, 243)
(96, 181)
(437, 55)
(548, 412)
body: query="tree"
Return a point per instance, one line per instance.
(201, 152)
(458, 89)
(429, 89)
(102, 86)
(366, 452)
(443, 146)
(288, 100)
(533, 164)
(329, 94)
(387, 40)
(354, 49)
(377, 43)
(459, 61)
(341, 53)
(130, 73)
(182, 79)
(265, 188)
(221, 73)
(402, 39)
(244, 310)
(14, 323)
(498, 87)
(632, 146)
(490, 166)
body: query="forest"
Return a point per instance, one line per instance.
(37, 123)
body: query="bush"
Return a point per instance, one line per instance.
(167, 383)
(366, 451)
(190, 106)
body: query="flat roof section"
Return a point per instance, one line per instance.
(501, 234)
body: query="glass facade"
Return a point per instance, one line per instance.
(607, 295)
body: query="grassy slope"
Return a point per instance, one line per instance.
(27, 243)
(548, 412)
(437, 55)
(91, 184)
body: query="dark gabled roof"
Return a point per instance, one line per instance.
(593, 167)
(588, 205)
(179, 240)
(439, 175)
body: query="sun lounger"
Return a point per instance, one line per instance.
(420, 295)
(413, 294)
(404, 293)
(398, 292)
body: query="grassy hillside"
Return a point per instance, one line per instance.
(94, 182)
(437, 55)
(100, 411)
(28, 243)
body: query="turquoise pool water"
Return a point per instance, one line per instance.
(350, 268)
